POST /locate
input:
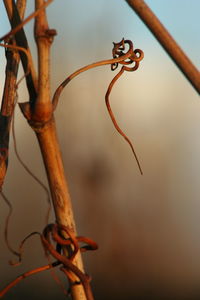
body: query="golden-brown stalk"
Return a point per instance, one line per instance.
(49, 146)
(41, 119)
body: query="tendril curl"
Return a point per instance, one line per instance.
(120, 57)
(54, 244)
(52, 232)
(134, 58)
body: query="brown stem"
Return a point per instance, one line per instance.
(30, 17)
(25, 275)
(167, 42)
(21, 41)
(9, 94)
(40, 116)
(114, 120)
(41, 119)
(48, 141)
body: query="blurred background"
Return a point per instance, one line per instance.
(147, 227)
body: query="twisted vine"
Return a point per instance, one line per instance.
(120, 57)
(51, 238)
(52, 235)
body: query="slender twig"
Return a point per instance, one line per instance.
(27, 53)
(27, 274)
(28, 170)
(21, 25)
(7, 221)
(13, 59)
(114, 120)
(8, 99)
(167, 42)
(15, 19)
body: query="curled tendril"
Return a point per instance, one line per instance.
(54, 244)
(118, 52)
(52, 231)
(135, 56)
(122, 57)
(118, 57)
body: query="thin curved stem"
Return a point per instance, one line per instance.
(30, 172)
(14, 47)
(119, 74)
(7, 225)
(132, 56)
(27, 274)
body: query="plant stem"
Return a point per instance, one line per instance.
(167, 42)
(15, 18)
(59, 189)
(9, 93)
(42, 114)
(39, 113)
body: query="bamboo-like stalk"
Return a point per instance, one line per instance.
(59, 189)
(167, 42)
(42, 114)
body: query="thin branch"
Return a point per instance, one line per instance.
(167, 42)
(27, 53)
(28, 19)
(13, 58)
(28, 170)
(115, 122)
(21, 41)
(9, 94)
(27, 274)
(7, 225)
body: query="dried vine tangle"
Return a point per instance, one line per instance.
(52, 231)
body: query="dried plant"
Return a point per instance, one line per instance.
(60, 240)
(39, 112)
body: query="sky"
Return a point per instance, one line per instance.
(156, 215)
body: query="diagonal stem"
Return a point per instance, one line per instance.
(21, 41)
(167, 42)
(9, 94)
